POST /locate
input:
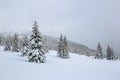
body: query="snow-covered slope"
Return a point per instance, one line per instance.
(78, 67)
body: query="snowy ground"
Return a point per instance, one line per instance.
(15, 67)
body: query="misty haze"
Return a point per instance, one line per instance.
(59, 39)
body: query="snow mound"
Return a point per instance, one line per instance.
(77, 67)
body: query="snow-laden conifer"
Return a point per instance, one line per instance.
(25, 45)
(8, 43)
(37, 52)
(109, 53)
(15, 43)
(63, 48)
(99, 53)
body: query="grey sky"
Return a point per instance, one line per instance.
(83, 21)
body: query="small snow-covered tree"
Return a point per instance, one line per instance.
(99, 53)
(21, 39)
(37, 52)
(15, 43)
(60, 46)
(0, 39)
(8, 43)
(113, 54)
(25, 45)
(45, 46)
(63, 48)
(109, 53)
(87, 54)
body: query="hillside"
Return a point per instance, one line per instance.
(52, 43)
(73, 47)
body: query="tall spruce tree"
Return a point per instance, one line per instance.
(25, 45)
(109, 53)
(15, 43)
(63, 48)
(99, 53)
(37, 52)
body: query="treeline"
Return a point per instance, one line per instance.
(35, 46)
(110, 55)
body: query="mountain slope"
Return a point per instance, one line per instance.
(73, 47)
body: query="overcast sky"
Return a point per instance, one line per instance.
(82, 21)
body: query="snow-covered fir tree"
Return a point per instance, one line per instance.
(99, 53)
(45, 46)
(21, 40)
(37, 52)
(0, 39)
(25, 45)
(60, 46)
(15, 43)
(87, 54)
(63, 48)
(113, 54)
(8, 43)
(109, 53)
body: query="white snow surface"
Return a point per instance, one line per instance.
(78, 67)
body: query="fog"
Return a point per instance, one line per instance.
(82, 21)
